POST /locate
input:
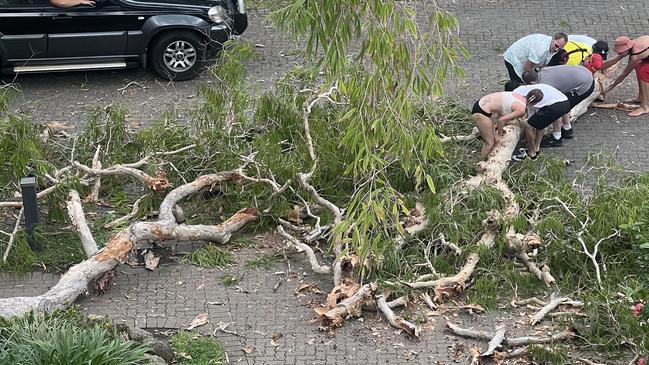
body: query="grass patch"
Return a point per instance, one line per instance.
(65, 338)
(193, 349)
(229, 280)
(209, 256)
(549, 355)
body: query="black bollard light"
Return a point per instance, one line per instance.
(30, 206)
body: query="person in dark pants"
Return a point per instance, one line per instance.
(576, 82)
(545, 105)
(529, 52)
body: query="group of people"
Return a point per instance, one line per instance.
(550, 75)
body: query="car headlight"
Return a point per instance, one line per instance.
(218, 14)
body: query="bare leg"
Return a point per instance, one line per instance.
(537, 141)
(487, 132)
(564, 120)
(556, 126)
(530, 139)
(643, 95)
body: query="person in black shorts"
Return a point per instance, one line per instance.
(545, 105)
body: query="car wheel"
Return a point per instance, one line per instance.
(178, 55)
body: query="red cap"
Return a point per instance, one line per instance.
(594, 62)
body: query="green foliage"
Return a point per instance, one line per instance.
(64, 338)
(228, 280)
(107, 128)
(21, 259)
(209, 256)
(403, 64)
(193, 349)
(549, 355)
(21, 152)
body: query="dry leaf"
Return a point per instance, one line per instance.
(198, 321)
(248, 349)
(150, 261)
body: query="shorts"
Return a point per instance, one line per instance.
(575, 99)
(548, 114)
(642, 70)
(478, 109)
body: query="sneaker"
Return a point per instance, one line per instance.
(521, 155)
(567, 133)
(550, 141)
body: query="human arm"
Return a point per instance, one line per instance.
(518, 110)
(633, 62)
(71, 3)
(529, 65)
(612, 61)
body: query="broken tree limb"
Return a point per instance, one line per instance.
(552, 304)
(517, 243)
(516, 341)
(78, 220)
(12, 235)
(461, 138)
(496, 341)
(399, 302)
(75, 282)
(127, 218)
(303, 247)
(157, 183)
(394, 320)
(350, 306)
(602, 81)
(96, 185)
(593, 255)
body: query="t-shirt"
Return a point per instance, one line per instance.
(577, 52)
(534, 47)
(550, 96)
(567, 79)
(582, 38)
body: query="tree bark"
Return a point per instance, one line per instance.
(75, 281)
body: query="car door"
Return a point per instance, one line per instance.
(23, 31)
(84, 31)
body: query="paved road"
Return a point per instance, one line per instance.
(169, 298)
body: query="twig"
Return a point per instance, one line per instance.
(593, 255)
(461, 138)
(128, 217)
(394, 320)
(496, 341)
(565, 207)
(428, 301)
(552, 304)
(222, 327)
(588, 362)
(399, 302)
(300, 246)
(12, 236)
(94, 190)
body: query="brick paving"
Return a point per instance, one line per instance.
(170, 297)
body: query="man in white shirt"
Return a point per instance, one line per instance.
(529, 52)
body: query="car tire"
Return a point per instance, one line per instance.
(178, 55)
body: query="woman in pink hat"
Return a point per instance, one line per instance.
(638, 52)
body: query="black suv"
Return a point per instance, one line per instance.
(174, 37)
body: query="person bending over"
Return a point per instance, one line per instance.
(495, 110)
(575, 82)
(638, 52)
(545, 104)
(529, 52)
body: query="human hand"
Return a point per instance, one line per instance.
(87, 2)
